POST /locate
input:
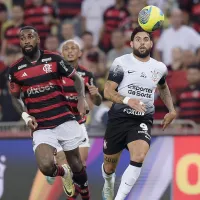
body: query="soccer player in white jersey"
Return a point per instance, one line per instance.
(131, 84)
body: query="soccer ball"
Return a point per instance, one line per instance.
(151, 18)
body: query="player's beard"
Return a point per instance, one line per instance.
(30, 53)
(141, 55)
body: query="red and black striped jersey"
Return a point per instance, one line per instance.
(38, 16)
(71, 94)
(41, 84)
(112, 18)
(189, 104)
(68, 9)
(11, 34)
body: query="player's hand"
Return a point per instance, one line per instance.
(93, 90)
(137, 105)
(82, 106)
(32, 124)
(168, 118)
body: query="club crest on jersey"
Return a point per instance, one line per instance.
(155, 75)
(47, 68)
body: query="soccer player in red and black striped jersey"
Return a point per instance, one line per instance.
(38, 75)
(71, 53)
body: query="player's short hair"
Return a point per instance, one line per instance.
(28, 27)
(138, 30)
(194, 66)
(71, 40)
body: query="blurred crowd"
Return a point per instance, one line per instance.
(103, 29)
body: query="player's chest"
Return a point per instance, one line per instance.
(148, 77)
(38, 72)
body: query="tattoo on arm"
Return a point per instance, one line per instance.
(18, 105)
(79, 85)
(112, 95)
(111, 160)
(166, 96)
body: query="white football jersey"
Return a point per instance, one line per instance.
(137, 80)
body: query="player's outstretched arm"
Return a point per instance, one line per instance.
(17, 103)
(94, 94)
(167, 100)
(111, 94)
(80, 88)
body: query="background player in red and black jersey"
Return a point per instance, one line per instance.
(38, 75)
(71, 53)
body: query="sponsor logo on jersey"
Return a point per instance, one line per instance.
(143, 75)
(140, 91)
(46, 59)
(62, 63)
(72, 98)
(81, 73)
(131, 71)
(24, 74)
(22, 66)
(117, 70)
(131, 111)
(39, 89)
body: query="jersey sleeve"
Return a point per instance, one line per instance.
(163, 78)
(64, 68)
(14, 86)
(116, 73)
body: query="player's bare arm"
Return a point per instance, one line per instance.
(111, 94)
(17, 103)
(94, 93)
(80, 88)
(167, 100)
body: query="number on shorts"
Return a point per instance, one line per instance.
(144, 126)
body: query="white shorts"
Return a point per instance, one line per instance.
(68, 136)
(85, 143)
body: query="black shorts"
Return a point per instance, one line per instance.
(120, 132)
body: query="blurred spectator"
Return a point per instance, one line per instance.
(188, 58)
(177, 61)
(119, 47)
(91, 13)
(131, 22)
(164, 5)
(51, 43)
(3, 18)
(178, 35)
(92, 58)
(68, 32)
(191, 8)
(42, 16)
(177, 76)
(8, 112)
(11, 29)
(68, 9)
(111, 18)
(188, 102)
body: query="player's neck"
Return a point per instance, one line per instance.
(74, 64)
(35, 57)
(146, 59)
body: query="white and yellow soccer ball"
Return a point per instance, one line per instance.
(151, 18)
